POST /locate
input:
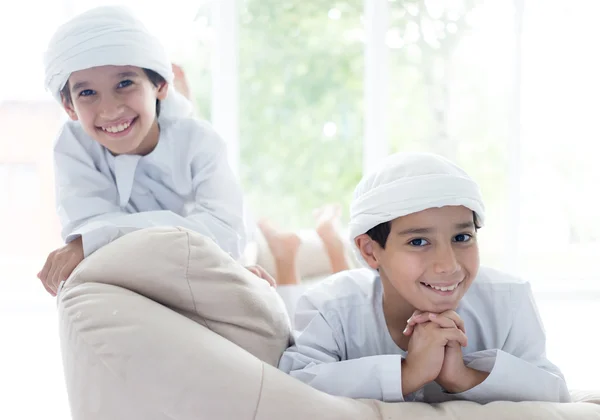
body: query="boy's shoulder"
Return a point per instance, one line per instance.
(73, 131)
(347, 288)
(492, 278)
(72, 137)
(497, 286)
(190, 130)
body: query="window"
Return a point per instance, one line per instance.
(560, 227)
(301, 106)
(452, 86)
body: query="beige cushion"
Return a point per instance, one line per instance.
(161, 324)
(188, 273)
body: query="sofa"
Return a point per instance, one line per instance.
(161, 324)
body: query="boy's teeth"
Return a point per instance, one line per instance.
(444, 288)
(117, 128)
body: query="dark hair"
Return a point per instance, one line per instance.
(155, 78)
(381, 232)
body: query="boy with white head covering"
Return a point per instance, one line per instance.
(132, 156)
(423, 322)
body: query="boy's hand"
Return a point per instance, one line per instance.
(419, 317)
(426, 351)
(60, 264)
(260, 272)
(454, 376)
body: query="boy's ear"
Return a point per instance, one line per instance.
(162, 90)
(68, 106)
(367, 247)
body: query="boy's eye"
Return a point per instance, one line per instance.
(463, 237)
(125, 83)
(419, 242)
(86, 92)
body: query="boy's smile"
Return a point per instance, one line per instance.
(442, 289)
(119, 128)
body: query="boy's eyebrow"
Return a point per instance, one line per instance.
(466, 225)
(413, 231)
(79, 85)
(425, 230)
(127, 74)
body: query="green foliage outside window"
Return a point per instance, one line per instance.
(301, 68)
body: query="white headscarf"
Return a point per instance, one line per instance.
(109, 35)
(407, 183)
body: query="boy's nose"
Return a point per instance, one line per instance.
(111, 108)
(445, 261)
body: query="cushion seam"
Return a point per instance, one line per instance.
(260, 390)
(187, 279)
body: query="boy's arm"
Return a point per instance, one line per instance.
(316, 358)
(519, 371)
(87, 202)
(219, 206)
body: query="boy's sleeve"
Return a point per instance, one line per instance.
(290, 294)
(87, 201)
(520, 370)
(316, 358)
(219, 206)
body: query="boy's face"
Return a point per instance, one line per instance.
(426, 251)
(116, 106)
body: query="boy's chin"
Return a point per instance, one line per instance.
(438, 308)
(122, 146)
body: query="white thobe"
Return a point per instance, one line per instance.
(342, 345)
(185, 181)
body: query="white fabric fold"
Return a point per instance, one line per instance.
(109, 35)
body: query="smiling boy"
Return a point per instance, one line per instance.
(131, 156)
(423, 322)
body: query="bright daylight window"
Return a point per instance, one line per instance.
(301, 105)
